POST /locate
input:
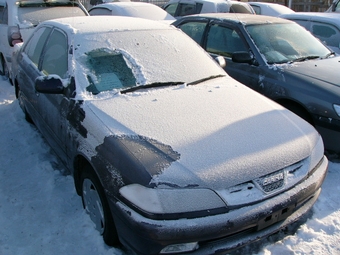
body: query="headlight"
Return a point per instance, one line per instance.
(316, 155)
(172, 203)
(337, 109)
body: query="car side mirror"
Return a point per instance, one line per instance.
(242, 57)
(221, 61)
(49, 85)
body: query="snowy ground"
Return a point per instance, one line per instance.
(40, 212)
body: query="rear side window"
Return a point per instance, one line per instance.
(224, 41)
(194, 29)
(35, 45)
(240, 8)
(3, 15)
(100, 11)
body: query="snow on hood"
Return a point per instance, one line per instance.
(224, 132)
(325, 70)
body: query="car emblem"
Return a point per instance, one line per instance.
(271, 182)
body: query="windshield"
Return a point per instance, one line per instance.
(120, 60)
(288, 42)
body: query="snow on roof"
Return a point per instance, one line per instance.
(91, 24)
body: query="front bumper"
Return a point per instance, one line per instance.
(219, 234)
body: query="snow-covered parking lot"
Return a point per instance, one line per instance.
(40, 212)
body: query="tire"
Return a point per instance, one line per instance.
(4, 69)
(96, 205)
(22, 104)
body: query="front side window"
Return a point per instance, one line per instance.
(34, 46)
(189, 9)
(194, 29)
(171, 9)
(224, 41)
(55, 55)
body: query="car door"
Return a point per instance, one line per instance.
(27, 71)
(53, 107)
(223, 40)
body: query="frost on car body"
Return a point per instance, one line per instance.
(177, 155)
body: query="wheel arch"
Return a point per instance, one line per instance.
(78, 166)
(297, 108)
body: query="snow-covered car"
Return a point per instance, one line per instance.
(279, 59)
(178, 8)
(132, 9)
(18, 18)
(270, 9)
(167, 160)
(323, 25)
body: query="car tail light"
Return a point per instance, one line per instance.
(14, 35)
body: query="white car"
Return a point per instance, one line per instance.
(19, 18)
(132, 9)
(270, 9)
(169, 154)
(323, 25)
(178, 8)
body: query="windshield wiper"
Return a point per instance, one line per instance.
(205, 79)
(330, 54)
(152, 85)
(305, 58)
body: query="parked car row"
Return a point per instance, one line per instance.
(169, 152)
(19, 18)
(279, 59)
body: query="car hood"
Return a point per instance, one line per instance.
(221, 135)
(324, 70)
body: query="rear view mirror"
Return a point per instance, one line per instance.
(49, 85)
(242, 57)
(221, 61)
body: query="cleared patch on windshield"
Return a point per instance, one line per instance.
(109, 71)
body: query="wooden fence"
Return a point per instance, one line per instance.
(296, 5)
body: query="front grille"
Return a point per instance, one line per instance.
(271, 182)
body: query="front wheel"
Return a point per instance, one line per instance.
(96, 205)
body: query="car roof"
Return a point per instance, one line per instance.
(90, 24)
(331, 18)
(241, 18)
(112, 5)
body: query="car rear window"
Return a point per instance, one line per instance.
(35, 15)
(240, 8)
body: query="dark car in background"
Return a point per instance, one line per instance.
(323, 25)
(166, 160)
(279, 59)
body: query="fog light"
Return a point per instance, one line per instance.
(181, 247)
